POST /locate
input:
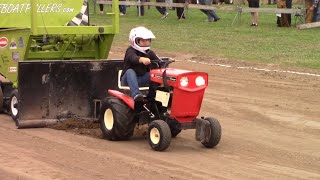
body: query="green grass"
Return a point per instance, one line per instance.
(266, 43)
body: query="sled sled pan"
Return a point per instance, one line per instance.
(51, 90)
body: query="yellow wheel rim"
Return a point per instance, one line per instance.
(14, 101)
(155, 135)
(108, 119)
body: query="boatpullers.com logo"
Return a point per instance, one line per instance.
(3, 42)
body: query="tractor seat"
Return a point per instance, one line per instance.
(127, 87)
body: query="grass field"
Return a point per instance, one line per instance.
(266, 43)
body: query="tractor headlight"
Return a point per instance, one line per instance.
(200, 81)
(184, 81)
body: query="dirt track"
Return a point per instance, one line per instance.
(271, 130)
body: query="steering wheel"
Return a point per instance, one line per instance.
(161, 63)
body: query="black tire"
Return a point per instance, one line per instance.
(175, 132)
(1, 99)
(14, 104)
(116, 119)
(159, 135)
(215, 133)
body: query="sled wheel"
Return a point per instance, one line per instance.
(116, 119)
(159, 135)
(214, 135)
(14, 105)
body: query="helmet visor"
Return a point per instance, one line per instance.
(143, 42)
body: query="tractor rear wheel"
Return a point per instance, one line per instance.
(214, 135)
(159, 135)
(14, 104)
(116, 119)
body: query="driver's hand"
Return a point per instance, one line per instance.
(144, 60)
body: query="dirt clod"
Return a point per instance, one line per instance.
(79, 126)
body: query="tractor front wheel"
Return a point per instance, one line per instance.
(14, 105)
(214, 135)
(116, 119)
(159, 135)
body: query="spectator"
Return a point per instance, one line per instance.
(141, 8)
(285, 19)
(162, 10)
(254, 15)
(309, 11)
(316, 11)
(122, 9)
(180, 11)
(170, 1)
(101, 8)
(212, 16)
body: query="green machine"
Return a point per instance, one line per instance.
(53, 61)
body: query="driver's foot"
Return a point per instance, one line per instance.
(138, 98)
(138, 103)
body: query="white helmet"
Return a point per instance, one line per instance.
(140, 33)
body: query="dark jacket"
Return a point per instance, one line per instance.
(131, 61)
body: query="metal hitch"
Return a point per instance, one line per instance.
(202, 130)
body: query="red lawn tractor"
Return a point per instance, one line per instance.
(175, 107)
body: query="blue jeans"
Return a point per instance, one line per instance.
(210, 13)
(131, 79)
(162, 10)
